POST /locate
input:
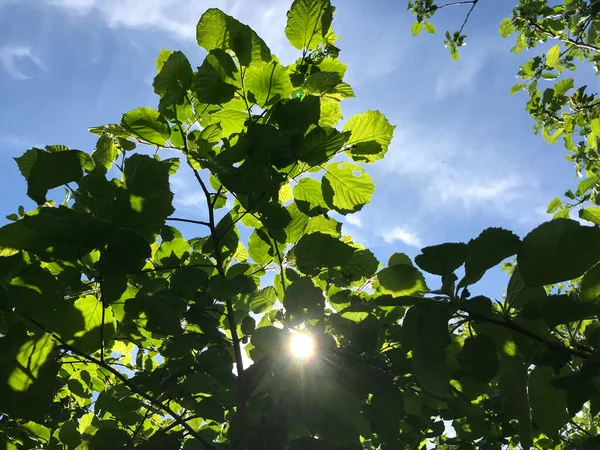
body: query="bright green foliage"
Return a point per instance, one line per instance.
(117, 330)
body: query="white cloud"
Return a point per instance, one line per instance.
(354, 220)
(400, 234)
(455, 170)
(188, 197)
(179, 17)
(12, 55)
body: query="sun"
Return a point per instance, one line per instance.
(302, 345)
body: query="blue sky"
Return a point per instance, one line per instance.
(463, 158)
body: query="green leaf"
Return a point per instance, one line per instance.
(321, 144)
(105, 153)
(96, 325)
(260, 247)
(416, 28)
(429, 27)
(363, 264)
(548, 403)
(346, 187)
(163, 56)
(589, 290)
(269, 339)
(506, 27)
(330, 113)
(264, 300)
(595, 125)
(44, 170)
(174, 77)
(214, 82)
(591, 214)
(146, 201)
(552, 56)
(325, 225)
(320, 83)
(148, 125)
(561, 87)
(487, 250)
(230, 121)
(442, 259)
(298, 114)
(318, 250)
(401, 280)
(371, 136)
(554, 205)
(518, 294)
(478, 356)
(296, 228)
(563, 309)
(308, 22)
(248, 325)
(303, 298)
(425, 329)
(559, 250)
(29, 374)
(268, 83)
(217, 30)
(516, 88)
(309, 197)
(60, 232)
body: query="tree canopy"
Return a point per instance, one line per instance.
(119, 331)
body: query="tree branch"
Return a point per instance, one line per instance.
(514, 327)
(159, 269)
(473, 4)
(197, 222)
(551, 35)
(165, 407)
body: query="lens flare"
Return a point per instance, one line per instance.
(302, 345)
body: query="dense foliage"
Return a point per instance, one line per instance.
(116, 331)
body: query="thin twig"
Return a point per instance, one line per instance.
(474, 3)
(197, 222)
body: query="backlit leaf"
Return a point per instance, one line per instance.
(147, 125)
(308, 22)
(401, 280)
(346, 187)
(217, 30)
(371, 136)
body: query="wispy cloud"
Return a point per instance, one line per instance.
(179, 17)
(453, 170)
(10, 142)
(187, 194)
(354, 220)
(396, 234)
(12, 57)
